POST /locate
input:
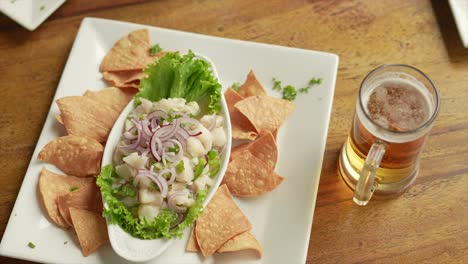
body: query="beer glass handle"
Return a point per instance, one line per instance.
(366, 183)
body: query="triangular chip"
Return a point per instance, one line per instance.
(192, 243)
(52, 185)
(235, 151)
(265, 149)
(90, 228)
(124, 79)
(266, 113)
(87, 197)
(248, 176)
(242, 128)
(221, 220)
(83, 116)
(74, 155)
(115, 98)
(59, 119)
(240, 242)
(129, 53)
(251, 86)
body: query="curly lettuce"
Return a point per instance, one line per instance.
(176, 76)
(160, 227)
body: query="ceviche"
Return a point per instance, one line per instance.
(168, 155)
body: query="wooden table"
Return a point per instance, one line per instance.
(429, 223)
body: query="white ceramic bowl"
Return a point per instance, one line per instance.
(135, 249)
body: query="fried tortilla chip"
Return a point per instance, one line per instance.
(242, 128)
(91, 229)
(129, 53)
(221, 220)
(115, 98)
(251, 86)
(59, 119)
(265, 149)
(192, 244)
(248, 176)
(52, 185)
(235, 151)
(266, 113)
(74, 155)
(87, 197)
(124, 79)
(240, 242)
(83, 116)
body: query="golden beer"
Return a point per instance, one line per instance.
(395, 111)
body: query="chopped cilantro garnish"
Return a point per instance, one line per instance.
(153, 187)
(174, 149)
(42, 7)
(199, 168)
(74, 188)
(31, 245)
(155, 49)
(235, 86)
(276, 84)
(314, 81)
(65, 242)
(180, 167)
(289, 93)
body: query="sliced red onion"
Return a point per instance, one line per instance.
(157, 114)
(179, 113)
(137, 142)
(166, 132)
(172, 204)
(154, 123)
(173, 173)
(130, 134)
(156, 178)
(155, 147)
(145, 127)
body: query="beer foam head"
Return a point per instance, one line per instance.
(395, 103)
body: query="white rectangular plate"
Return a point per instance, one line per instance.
(281, 219)
(460, 12)
(29, 13)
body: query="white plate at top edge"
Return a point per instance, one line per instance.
(281, 219)
(460, 13)
(29, 13)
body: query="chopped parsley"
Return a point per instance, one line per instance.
(314, 81)
(31, 245)
(155, 49)
(174, 149)
(42, 7)
(74, 188)
(65, 242)
(289, 92)
(276, 84)
(235, 86)
(180, 167)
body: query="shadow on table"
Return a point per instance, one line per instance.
(449, 31)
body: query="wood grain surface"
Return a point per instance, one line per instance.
(427, 224)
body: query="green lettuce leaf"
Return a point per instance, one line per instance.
(176, 76)
(160, 227)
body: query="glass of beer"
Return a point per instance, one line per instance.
(395, 110)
